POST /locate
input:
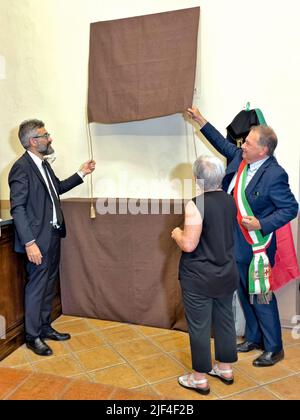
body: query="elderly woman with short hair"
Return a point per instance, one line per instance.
(208, 276)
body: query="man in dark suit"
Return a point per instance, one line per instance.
(273, 205)
(39, 227)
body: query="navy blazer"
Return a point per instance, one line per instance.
(31, 204)
(268, 193)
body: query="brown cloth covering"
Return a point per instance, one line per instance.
(122, 267)
(142, 67)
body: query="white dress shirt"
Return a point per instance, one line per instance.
(252, 169)
(38, 163)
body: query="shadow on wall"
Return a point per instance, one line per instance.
(207, 144)
(18, 150)
(182, 171)
(163, 126)
(182, 179)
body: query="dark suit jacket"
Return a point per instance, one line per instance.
(268, 194)
(31, 204)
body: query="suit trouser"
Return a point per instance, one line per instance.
(201, 313)
(40, 289)
(262, 321)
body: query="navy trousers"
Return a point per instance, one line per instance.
(262, 321)
(40, 289)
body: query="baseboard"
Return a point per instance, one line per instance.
(15, 335)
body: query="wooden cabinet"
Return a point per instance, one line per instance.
(12, 283)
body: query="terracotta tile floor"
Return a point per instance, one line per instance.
(110, 360)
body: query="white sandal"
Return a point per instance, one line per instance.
(218, 373)
(189, 382)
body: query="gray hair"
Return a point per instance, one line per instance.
(211, 170)
(27, 130)
(267, 137)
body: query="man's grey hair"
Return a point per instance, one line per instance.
(267, 137)
(211, 170)
(27, 130)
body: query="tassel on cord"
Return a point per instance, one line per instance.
(91, 154)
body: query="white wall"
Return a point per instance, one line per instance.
(46, 45)
(248, 51)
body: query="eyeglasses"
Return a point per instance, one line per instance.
(45, 136)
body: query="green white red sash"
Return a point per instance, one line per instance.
(260, 272)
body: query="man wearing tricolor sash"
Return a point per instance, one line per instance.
(265, 203)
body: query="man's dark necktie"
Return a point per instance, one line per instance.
(59, 214)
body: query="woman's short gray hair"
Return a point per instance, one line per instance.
(211, 170)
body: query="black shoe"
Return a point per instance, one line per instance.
(247, 346)
(39, 347)
(51, 334)
(268, 358)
